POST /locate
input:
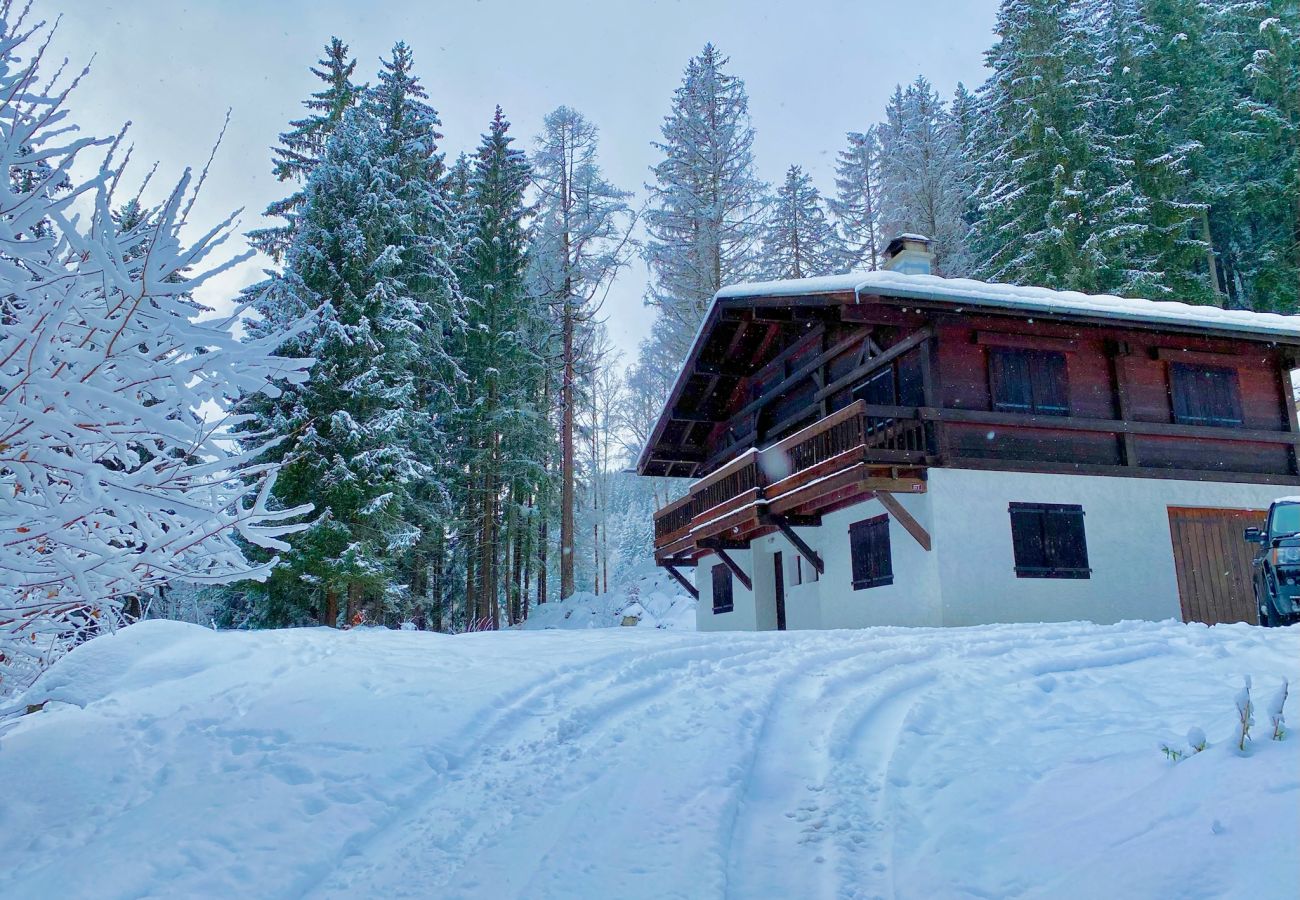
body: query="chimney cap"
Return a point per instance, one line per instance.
(912, 254)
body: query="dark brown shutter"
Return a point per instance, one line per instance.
(1205, 395)
(1048, 540)
(870, 553)
(1009, 380)
(1050, 385)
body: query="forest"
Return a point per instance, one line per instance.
(448, 440)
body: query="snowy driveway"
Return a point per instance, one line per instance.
(988, 762)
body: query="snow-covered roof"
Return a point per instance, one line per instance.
(1027, 299)
(1004, 297)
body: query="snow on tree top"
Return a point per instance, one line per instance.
(1026, 299)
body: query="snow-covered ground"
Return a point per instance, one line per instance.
(652, 598)
(637, 762)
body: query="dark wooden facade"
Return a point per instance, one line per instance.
(850, 396)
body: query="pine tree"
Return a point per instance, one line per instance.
(1034, 149)
(706, 204)
(503, 431)
(856, 203)
(921, 175)
(580, 241)
(798, 240)
(371, 257)
(1147, 158)
(1261, 42)
(302, 145)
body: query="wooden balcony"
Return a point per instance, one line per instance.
(839, 459)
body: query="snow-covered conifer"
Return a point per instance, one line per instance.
(302, 146)
(372, 255)
(580, 240)
(1035, 152)
(706, 204)
(856, 204)
(798, 239)
(922, 175)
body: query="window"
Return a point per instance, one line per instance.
(803, 571)
(1205, 395)
(898, 384)
(1048, 541)
(1028, 381)
(869, 549)
(722, 601)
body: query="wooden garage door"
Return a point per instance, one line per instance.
(1214, 563)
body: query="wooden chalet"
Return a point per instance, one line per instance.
(859, 397)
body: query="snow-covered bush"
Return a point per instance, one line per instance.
(1245, 715)
(119, 468)
(1276, 715)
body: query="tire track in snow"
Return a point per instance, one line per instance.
(547, 726)
(788, 799)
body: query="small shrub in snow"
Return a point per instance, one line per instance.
(1196, 739)
(1245, 715)
(1275, 711)
(1172, 753)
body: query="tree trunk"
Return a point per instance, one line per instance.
(331, 608)
(567, 462)
(524, 532)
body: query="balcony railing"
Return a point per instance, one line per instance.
(858, 433)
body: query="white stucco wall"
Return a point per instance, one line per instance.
(1126, 525)
(969, 578)
(742, 617)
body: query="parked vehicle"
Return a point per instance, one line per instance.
(1277, 563)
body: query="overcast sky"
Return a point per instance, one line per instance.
(814, 70)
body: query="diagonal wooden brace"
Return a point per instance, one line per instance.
(783, 525)
(729, 563)
(905, 518)
(681, 579)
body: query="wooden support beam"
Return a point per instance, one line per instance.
(677, 456)
(1117, 356)
(910, 525)
(734, 567)
(680, 415)
(721, 370)
(681, 579)
(783, 525)
(876, 362)
(716, 543)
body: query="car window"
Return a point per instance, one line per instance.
(1286, 519)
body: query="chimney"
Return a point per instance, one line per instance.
(910, 254)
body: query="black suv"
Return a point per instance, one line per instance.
(1277, 563)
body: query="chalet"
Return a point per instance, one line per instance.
(897, 448)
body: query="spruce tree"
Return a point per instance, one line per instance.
(303, 144)
(706, 204)
(501, 429)
(1261, 42)
(371, 259)
(798, 239)
(921, 175)
(856, 202)
(1035, 153)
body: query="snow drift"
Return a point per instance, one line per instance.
(639, 762)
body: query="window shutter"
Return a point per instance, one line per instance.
(870, 553)
(1027, 537)
(1048, 540)
(1205, 395)
(1009, 380)
(1050, 386)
